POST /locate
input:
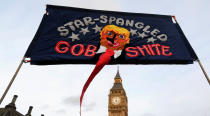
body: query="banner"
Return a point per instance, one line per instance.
(79, 36)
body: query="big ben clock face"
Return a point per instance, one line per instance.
(116, 100)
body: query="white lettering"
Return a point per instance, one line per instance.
(139, 25)
(111, 19)
(70, 24)
(129, 23)
(78, 23)
(104, 19)
(63, 31)
(120, 21)
(88, 20)
(155, 32)
(162, 37)
(146, 29)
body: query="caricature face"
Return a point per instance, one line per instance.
(114, 37)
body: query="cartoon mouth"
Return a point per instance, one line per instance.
(113, 43)
(110, 40)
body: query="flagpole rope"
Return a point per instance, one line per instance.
(12, 80)
(204, 72)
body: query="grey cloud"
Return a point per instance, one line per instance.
(90, 106)
(61, 111)
(72, 100)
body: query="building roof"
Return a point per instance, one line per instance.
(10, 109)
(117, 75)
(118, 81)
(117, 86)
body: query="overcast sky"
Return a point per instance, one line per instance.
(152, 90)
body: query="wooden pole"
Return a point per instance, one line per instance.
(204, 72)
(12, 80)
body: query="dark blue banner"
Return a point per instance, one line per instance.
(78, 36)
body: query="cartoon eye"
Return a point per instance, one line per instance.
(121, 36)
(110, 33)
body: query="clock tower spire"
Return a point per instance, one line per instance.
(118, 104)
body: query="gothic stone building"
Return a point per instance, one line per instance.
(118, 103)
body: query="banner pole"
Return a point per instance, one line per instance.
(12, 80)
(204, 72)
(199, 62)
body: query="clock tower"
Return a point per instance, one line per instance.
(118, 103)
